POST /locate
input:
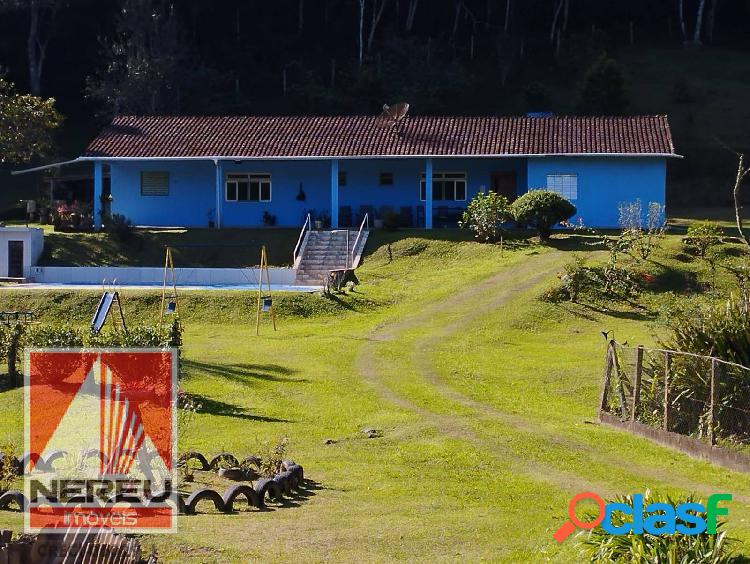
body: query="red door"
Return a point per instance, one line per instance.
(504, 183)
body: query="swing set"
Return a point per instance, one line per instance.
(265, 298)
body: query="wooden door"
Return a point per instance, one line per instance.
(504, 184)
(15, 259)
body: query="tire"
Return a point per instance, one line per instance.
(240, 490)
(201, 495)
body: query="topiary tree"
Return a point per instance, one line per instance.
(485, 216)
(603, 89)
(542, 210)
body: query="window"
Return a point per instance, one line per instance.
(154, 183)
(342, 178)
(386, 179)
(450, 186)
(248, 188)
(564, 184)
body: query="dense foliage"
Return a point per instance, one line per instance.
(542, 210)
(702, 236)
(26, 124)
(485, 216)
(647, 548)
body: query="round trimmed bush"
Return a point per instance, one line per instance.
(542, 210)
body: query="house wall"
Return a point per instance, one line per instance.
(604, 182)
(192, 190)
(363, 178)
(286, 178)
(192, 193)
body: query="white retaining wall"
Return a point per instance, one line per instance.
(147, 276)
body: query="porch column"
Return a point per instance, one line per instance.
(428, 193)
(334, 194)
(98, 190)
(219, 195)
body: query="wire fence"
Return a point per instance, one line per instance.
(702, 397)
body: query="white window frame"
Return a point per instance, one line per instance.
(442, 176)
(564, 184)
(155, 194)
(237, 177)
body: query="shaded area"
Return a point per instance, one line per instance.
(244, 372)
(192, 248)
(223, 409)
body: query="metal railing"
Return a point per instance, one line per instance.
(297, 248)
(364, 226)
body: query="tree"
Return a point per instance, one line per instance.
(26, 124)
(411, 13)
(41, 15)
(603, 89)
(485, 215)
(146, 73)
(542, 210)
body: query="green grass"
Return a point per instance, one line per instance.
(486, 397)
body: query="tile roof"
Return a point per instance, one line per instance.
(363, 136)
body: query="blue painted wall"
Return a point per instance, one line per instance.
(192, 193)
(604, 182)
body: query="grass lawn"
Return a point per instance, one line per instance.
(486, 397)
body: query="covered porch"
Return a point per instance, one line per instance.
(403, 192)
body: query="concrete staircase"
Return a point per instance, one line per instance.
(323, 251)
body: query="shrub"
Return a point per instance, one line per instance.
(600, 282)
(53, 336)
(646, 548)
(8, 453)
(702, 235)
(390, 220)
(721, 331)
(271, 457)
(119, 228)
(542, 210)
(485, 216)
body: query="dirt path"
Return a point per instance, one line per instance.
(500, 287)
(457, 315)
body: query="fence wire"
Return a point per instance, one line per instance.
(699, 396)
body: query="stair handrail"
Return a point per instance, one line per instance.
(305, 228)
(365, 225)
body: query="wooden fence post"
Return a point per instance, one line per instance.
(667, 406)
(713, 401)
(12, 355)
(637, 383)
(608, 365)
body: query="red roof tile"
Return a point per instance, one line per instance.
(363, 136)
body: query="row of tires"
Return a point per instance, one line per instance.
(20, 465)
(283, 484)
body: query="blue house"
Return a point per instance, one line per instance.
(253, 171)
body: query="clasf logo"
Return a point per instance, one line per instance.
(654, 519)
(100, 429)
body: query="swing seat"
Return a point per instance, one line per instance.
(267, 303)
(171, 306)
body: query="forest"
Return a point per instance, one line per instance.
(97, 58)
